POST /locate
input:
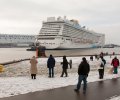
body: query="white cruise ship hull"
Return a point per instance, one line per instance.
(58, 43)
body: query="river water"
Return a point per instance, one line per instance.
(10, 54)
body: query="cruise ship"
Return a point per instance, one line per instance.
(61, 33)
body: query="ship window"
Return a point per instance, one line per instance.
(67, 39)
(46, 38)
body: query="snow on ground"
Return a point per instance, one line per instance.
(16, 78)
(114, 98)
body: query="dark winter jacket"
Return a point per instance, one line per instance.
(65, 64)
(84, 68)
(51, 62)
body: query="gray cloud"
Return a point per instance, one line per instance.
(26, 16)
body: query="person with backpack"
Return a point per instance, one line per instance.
(115, 64)
(64, 67)
(101, 65)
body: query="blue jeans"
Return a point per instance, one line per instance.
(80, 79)
(51, 72)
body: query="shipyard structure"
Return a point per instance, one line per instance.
(14, 40)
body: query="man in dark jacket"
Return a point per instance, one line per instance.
(51, 65)
(83, 72)
(64, 66)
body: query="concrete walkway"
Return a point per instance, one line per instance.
(101, 90)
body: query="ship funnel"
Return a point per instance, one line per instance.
(50, 19)
(65, 17)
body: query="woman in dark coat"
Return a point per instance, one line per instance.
(64, 66)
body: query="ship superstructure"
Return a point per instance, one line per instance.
(67, 34)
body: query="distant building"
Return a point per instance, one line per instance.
(14, 40)
(110, 45)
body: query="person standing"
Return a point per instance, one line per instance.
(51, 65)
(70, 63)
(101, 65)
(91, 58)
(64, 67)
(33, 68)
(115, 64)
(83, 71)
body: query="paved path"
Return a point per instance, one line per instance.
(101, 90)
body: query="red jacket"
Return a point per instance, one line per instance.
(115, 62)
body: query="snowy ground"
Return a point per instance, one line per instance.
(114, 98)
(16, 78)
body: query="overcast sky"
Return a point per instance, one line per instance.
(26, 16)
